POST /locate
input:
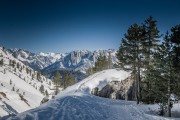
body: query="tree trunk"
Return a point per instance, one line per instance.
(169, 88)
(136, 84)
(169, 101)
(137, 88)
(139, 80)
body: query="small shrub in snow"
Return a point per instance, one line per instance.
(46, 93)
(1, 62)
(23, 99)
(44, 100)
(17, 90)
(10, 82)
(41, 89)
(13, 89)
(164, 108)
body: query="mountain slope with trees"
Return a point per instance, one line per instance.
(21, 88)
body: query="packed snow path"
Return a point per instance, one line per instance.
(75, 103)
(86, 107)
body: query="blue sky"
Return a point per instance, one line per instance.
(66, 25)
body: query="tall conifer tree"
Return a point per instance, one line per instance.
(129, 54)
(150, 44)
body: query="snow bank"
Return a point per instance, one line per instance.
(99, 80)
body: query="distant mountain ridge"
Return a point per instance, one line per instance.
(37, 61)
(79, 60)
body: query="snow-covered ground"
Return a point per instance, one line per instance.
(18, 90)
(76, 103)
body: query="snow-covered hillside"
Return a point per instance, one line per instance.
(19, 87)
(79, 60)
(76, 103)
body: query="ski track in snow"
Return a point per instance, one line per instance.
(87, 108)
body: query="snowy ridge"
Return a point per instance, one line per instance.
(18, 90)
(76, 103)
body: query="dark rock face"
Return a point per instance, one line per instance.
(106, 91)
(95, 91)
(44, 100)
(124, 90)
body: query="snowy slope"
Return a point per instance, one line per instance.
(22, 83)
(76, 103)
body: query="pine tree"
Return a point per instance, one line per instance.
(175, 63)
(151, 39)
(41, 89)
(65, 79)
(27, 70)
(46, 93)
(162, 76)
(167, 73)
(150, 45)
(1, 62)
(4, 71)
(38, 76)
(17, 65)
(68, 79)
(32, 76)
(57, 81)
(13, 63)
(30, 71)
(175, 39)
(10, 82)
(110, 61)
(101, 63)
(90, 71)
(129, 54)
(13, 89)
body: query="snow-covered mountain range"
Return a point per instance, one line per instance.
(20, 91)
(19, 85)
(79, 60)
(37, 61)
